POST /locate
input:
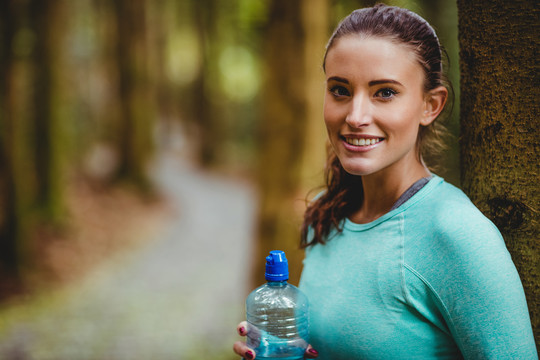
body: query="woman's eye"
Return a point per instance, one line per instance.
(386, 93)
(339, 91)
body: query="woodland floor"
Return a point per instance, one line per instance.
(135, 278)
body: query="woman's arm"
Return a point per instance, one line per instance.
(481, 295)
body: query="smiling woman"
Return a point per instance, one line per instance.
(399, 263)
(373, 116)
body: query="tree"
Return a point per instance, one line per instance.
(499, 126)
(30, 133)
(48, 26)
(135, 91)
(9, 227)
(207, 125)
(294, 29)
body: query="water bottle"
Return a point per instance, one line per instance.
(277, 314)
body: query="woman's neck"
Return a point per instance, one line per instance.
(382, 190)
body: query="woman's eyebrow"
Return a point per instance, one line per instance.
(371, 83)
(384, 81)
(337, 78)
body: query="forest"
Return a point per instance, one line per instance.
(95, 93)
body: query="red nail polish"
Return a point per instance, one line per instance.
(249, 355)
(242, 330)
(313, 351)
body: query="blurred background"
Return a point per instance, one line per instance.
(151, 154)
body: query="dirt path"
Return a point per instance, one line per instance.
(178, 297)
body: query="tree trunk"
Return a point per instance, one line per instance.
(47, 22)
(207, 129)
(294, 29)
(30, 135)
(9, 226)
(499, 126)
(136, 115)
(316, 21)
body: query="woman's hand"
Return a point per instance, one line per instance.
(241, 348)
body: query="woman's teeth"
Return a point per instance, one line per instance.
(362, 142)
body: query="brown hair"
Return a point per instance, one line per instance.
(343, 190)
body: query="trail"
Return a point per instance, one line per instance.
(178, 297)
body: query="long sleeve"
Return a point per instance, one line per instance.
(475, 284)
(431, 279)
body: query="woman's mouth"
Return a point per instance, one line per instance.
(362, 141)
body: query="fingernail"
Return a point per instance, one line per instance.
(249, 355)
(242, 330)
(313, 351)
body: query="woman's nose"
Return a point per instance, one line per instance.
(359, 113)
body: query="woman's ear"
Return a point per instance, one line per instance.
(434, 102)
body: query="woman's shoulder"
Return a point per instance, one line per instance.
(447, 214)
(447, 205)
(447, 238)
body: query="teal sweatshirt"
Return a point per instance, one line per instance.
(431, 279)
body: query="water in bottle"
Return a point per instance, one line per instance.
(277, 314)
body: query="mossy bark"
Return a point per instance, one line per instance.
(499, 126)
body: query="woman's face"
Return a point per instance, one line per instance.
(374, 104)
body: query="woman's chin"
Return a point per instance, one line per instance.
(358, 170)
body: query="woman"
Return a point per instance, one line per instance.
(399, 264)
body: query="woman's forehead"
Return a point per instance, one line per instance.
(358, 55)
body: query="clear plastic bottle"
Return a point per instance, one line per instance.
(277, 314)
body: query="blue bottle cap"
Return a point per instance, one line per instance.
(277, 267)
